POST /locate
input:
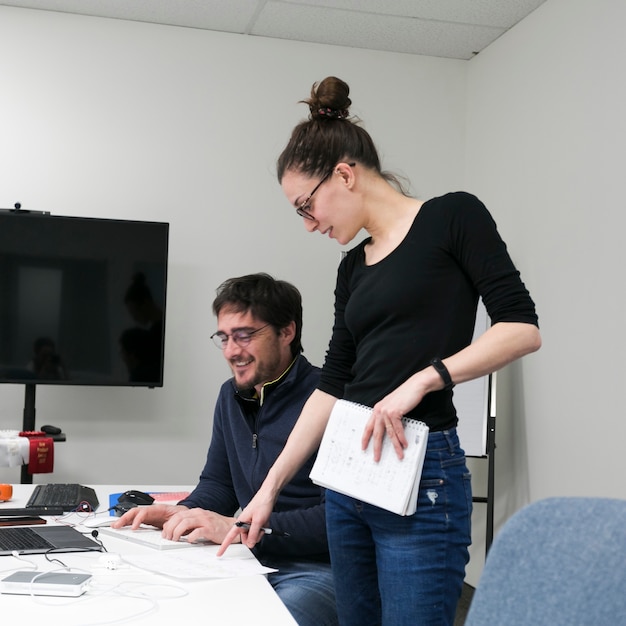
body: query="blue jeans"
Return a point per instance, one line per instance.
(306, 589)
(405, 570)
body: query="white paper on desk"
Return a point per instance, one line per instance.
(199, 564)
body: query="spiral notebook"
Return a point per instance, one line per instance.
(341, 464)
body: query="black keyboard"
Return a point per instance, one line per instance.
(69, 497)
(22, 539)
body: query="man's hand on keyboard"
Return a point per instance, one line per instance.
(197, 525)
(153, 515)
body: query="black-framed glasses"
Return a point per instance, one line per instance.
(241, 337)
(305, 207)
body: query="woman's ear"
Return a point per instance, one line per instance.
(346, 172)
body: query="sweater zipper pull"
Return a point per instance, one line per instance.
(254, 438)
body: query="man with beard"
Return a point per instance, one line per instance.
(259, 321)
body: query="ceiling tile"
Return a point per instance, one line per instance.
(443, 28)
(497, 13)
(367, 30)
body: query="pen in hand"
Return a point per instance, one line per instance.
(267, 531)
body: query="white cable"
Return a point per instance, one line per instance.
(139, 595)
(93, 593)
(41, 599)
(141, 591)
(15, 554)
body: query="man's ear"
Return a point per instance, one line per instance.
(288, 332)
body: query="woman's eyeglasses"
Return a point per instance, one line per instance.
(241, 337)
(305, 207)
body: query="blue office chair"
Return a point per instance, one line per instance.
(556, 562)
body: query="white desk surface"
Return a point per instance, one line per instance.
(140, 597)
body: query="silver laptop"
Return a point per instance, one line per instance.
(42, 539)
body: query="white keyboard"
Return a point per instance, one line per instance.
(146, 536)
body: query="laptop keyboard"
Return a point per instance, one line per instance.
(68, 496)
(22, 538)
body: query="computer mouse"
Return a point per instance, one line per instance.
(123, 507)
(135, 497)
(98, 522)
(51, 430)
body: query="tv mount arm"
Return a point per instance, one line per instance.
(28, 424)
(28, 421)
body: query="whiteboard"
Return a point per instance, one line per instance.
(471, 400)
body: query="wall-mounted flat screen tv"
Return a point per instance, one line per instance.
(82, 300)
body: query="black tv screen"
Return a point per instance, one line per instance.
(82, 300)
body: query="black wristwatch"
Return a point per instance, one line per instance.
(442, 370)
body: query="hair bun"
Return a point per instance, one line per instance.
(329, 99)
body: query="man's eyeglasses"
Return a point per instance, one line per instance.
(305, 207)
(241, 337)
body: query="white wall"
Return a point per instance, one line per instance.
(545, 149)
(108, 118)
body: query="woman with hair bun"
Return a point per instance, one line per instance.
(405, 309)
